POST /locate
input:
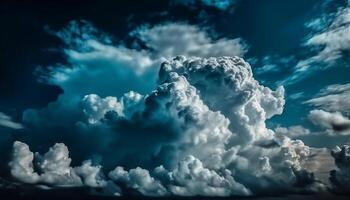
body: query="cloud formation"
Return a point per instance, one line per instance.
(192, 125)
(333, 123)
(54, 166)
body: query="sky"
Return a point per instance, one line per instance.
(175, 98)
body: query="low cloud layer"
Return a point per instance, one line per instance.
(334, 123)
(54, 166)
(191, 143)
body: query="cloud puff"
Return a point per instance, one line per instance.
(138, 179)
(174, 39)
(334, 123)
(227, 85)
(54, 166)
(192, 126)
(334, 108)
(185, 117)
(6, 121)
(191, 178)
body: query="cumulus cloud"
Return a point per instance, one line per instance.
(227, 85)
(192, 126)
(54, 168)
(138, 179)
(333, 109)
(191, 178)
(6, 121)
(334, 123)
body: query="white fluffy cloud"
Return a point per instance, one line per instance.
(138, 179)
(227, 85)
(55, 169)
(334, 123)
(95, 107)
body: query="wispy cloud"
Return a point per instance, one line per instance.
(329, 42)
(6, 121)
(333, 98)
